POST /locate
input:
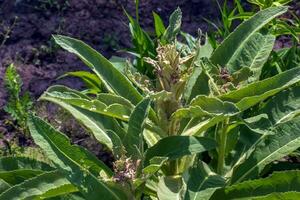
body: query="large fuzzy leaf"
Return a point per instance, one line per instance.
(155, 164)
(110, 99)
(273, 147)
(264, 48)
(54, 143)
(18, 176)
(235, 42)
(151, 137)
(254, 93)
(253, 54)
(170, 188)
(205, 113)
(284, 106)
(46, 185)
(114, 110)
(280, 196)
(73, 196)
(214, 105)
(3, 186)
(202, 106)
(92, 82)
(197, 126)
(286, 181)
(96, 123)
(80, 167)
(113, 79)
(16, 163)
(133, 140)
(197, 84)
(169, 147)
(206, 49)
(174, 26)
(15, 170)
(200, 178)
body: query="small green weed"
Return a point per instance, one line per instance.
(18, 106)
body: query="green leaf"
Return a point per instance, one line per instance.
(190, 112)
(118, 147)
(240, 77)
(167, 147)
(110, 99)
(287, 181)
(170, 188)
(200, 178)
(3, 186)
(18, 176)
(191, 43)
(258, 124)
(283, 106)
(197, 126)
(151, 137)
(13, 81)
(280, 196)
(253, 54)
(46, 185)
(154, 165)
(114, 110)
(197, 84)
(203, 106)
(214, 105)
(113, 79)
(143, 46)
(55, 143)
(133, 140)
(159, 25)
(141, 38)
(96, 123)
(17, 105)
(92, 82)
(16, 163)
(206, 50)
(273, 147)
(174, 26)
(254, 93)
(80, 167)
(73, 196)
(289, 57)
(119, 63)
(14, 170)
(262, 55)
(233, 44)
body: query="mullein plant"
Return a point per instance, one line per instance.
(206, 127)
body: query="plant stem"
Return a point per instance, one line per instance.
(8, 32)
(137, 2)
(222, 147)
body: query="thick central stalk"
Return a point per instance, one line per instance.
(222, 146)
